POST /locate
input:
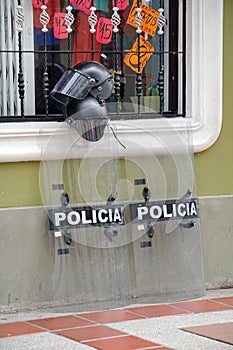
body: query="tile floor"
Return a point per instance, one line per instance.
(221, 332)
(130, 328)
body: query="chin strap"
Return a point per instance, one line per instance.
(114, 134)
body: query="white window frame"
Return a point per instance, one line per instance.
(24, 141)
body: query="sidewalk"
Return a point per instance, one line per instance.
(205, 323)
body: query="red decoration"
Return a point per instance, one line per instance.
(104, 30)
(59, 26)
(83, 5)
(121, 4)
(38, 3)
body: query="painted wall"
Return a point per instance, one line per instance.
(19, 184)
(214, 167)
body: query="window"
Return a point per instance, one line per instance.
(158, 87)
(178, 80)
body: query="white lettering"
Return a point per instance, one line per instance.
(117, 215)
(110, 215)
(94, 216)
(174, 209)
(193, 209)
(153, 209)
(187, 209)
(100, 215)
(59, 217)
(84, 218)
(179, 209)
(165, 213)
(73, 218)
(142, 211)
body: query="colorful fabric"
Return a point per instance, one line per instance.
(39, 37)
(101, 5)
(83, 40)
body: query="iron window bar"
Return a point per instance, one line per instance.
(21, 86)
(118, 53)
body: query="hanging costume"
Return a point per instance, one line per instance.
(83, 40)
(52, 7)
(83, 37)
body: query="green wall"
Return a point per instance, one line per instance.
(19, 182)
(214, 167)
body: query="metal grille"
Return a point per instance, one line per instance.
(8, 60)
(157, 89)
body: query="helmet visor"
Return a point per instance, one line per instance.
(72, 84)
(90, 129)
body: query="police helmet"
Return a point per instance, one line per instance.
(88, 77)
(88, 117)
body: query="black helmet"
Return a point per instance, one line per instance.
(84, 78)
(88, 117)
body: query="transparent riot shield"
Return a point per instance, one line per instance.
(123, 225)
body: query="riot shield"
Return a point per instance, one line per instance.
(124, 226)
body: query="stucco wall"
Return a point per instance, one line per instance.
(33, 274)
(214, 167)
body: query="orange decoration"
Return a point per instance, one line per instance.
(149, 17)
(146, 50)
